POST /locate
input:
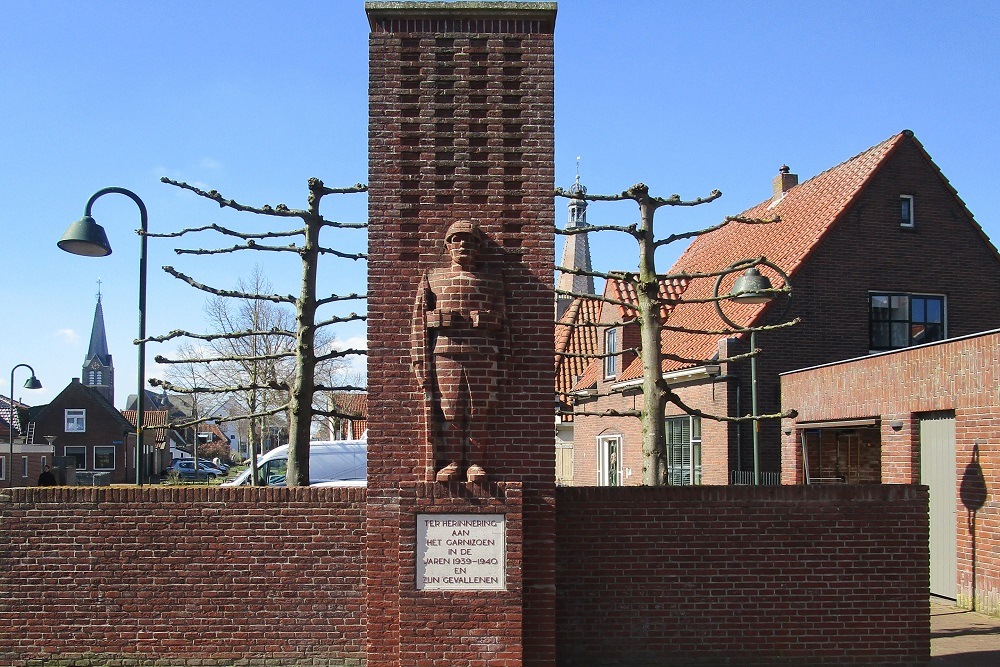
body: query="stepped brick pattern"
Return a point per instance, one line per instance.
(461, 128)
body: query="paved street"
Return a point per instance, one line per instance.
(961, 638)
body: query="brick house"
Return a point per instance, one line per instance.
(90, 429)
(925, 415)
(22, 455)
(881, 253)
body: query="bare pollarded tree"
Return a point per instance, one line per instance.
(650, 304)
(248, 346)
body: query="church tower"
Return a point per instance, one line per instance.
(576, 251)
(98, 369)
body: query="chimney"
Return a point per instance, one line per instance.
(783, 182)
(76, 381)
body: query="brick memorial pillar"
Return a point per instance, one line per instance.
(460, 528)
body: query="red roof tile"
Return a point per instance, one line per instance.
(807, 211)
(354, 404)
(573, 336)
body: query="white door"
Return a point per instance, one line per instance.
(609, 461)
(939, 472)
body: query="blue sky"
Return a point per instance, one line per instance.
(252, 99)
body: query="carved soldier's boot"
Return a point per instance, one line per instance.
(449, 473)
(475, 474)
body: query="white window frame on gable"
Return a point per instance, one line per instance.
(611, 349)
(609, 461)
(76, 420)
(3, 467)
(906, 217)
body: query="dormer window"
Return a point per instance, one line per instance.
(611, 348)
(906, 211)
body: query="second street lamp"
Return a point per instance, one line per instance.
(753, 288)
(86, 237)
(30, 383)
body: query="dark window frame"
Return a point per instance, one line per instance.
(918, 327)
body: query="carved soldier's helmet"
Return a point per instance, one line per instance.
(462, 227)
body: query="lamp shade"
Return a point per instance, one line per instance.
(32, 383)
(86, 237)
(752, 287)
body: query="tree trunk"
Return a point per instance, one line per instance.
(300, 408)
(654, 394)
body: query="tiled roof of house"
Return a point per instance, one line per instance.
(806, 211)
(154, 422)
(7, 415)
(574, 337)
(622, 291)
(354, 404)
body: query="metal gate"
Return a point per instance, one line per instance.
(939, 472)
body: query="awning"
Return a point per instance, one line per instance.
(843, 423)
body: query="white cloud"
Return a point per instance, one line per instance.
(210, 163)
(67, 336)
(357, 363)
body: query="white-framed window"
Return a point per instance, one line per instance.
(609, 461)
(906, 211)
(611, 348)
(684, 450)
(3, 467)
(104, 458)
(902, 320)
(24, 467)
(76, 421)
(78, 453)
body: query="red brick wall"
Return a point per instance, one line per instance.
(958, 375)
(460, 127)
(742, 575)
(198, 576)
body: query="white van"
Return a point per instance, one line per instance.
(331, 463)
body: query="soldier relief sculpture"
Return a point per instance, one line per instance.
(459, 340)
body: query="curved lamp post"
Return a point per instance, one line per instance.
(86, 237)
(751, 287)
(30, 383)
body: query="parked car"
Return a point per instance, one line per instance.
(331, 463)
(186, 470)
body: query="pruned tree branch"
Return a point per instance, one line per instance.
(728, 220)
(336, 297)
(277, 298)
(178, 333)
(251, 245)
(274, 384)
(338, 354)
(239, 358)
(343, 255)
(228, 232)
(353, 317)
(280, 210)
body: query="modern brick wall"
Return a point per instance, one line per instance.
(213, 577)
(192, 576)
(960, 375)
(742, 575)
(460, 128)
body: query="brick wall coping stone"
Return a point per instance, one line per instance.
(873, 355)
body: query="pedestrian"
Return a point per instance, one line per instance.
(46, 478)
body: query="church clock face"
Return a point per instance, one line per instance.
(95, 364)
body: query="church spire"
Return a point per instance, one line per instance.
(98, 368)
(576, 251)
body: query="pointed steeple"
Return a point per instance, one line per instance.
(98, 368)
(576, 251)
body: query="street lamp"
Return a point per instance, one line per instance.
(86, 237)
(753, 288)
(30, 383)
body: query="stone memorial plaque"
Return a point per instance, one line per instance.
(461, 552)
